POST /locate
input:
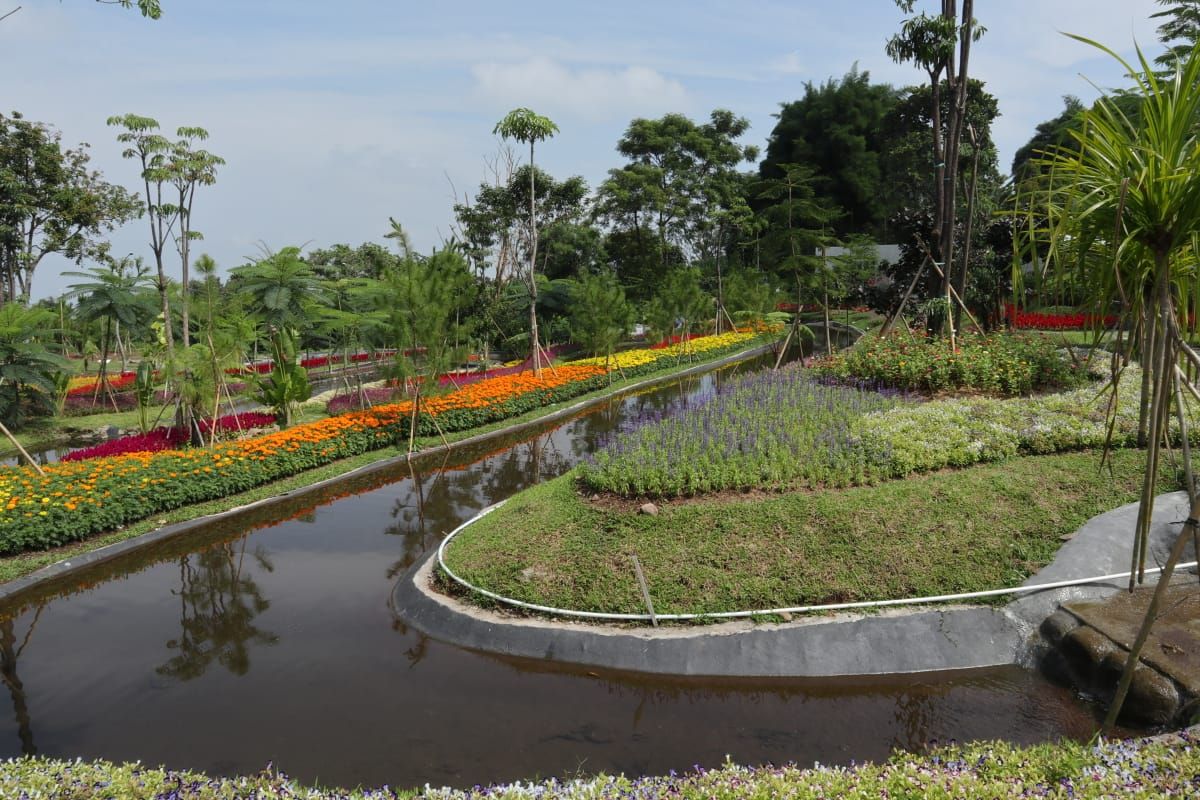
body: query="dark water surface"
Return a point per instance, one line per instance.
(270, 639)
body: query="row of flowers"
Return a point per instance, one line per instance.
(1043, 321)
(75, 499)
(165, 438)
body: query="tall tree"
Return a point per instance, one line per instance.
(152, 150)
(526, 126)
(149, 8)
(941, 46)
(110, 293)
(50, 202)
(189, 168)
(837, 132)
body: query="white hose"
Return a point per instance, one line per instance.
(906, 601)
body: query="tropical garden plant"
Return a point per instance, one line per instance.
(1121, 209)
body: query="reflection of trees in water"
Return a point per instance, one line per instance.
(10, 652)
(915, 716)
(218, 602)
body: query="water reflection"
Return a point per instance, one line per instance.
(218, 602)
(10, 653)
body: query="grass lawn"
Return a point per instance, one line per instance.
(984, 527)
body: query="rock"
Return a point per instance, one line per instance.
(649, 508)
(786, 616)
(1058, 625)
(1085, 649)
(1153, 698)
(1054, 666)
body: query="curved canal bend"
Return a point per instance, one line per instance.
(269, 639)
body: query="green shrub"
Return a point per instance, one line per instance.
(1002, 364)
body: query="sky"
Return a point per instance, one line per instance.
(334, 116)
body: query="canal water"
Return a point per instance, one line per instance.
(269, 639)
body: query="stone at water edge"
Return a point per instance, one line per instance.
(650, 509)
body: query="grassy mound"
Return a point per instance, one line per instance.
(953, 531)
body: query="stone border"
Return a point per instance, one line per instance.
(892, 642)
(17, 586)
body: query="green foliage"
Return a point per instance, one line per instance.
(285, 386)
(1180, 31)
(1002, 364)
(425, 301)
(282, 287)
(50, 202)
(29, 372)
(836, 132)
(1157, 767)
(681, 189)
(144, 389)
(601, 317)
(680, 306)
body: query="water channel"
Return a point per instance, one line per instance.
(269, 639)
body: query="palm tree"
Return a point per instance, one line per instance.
(525, 126)
(1122, 211)
(112, 295)
(284, 291)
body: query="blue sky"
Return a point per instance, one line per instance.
(334, 116)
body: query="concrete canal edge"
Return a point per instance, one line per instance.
(67, 567)
(929, 639)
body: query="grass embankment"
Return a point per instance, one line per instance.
(986, 527)
(1163, 766)
(22, 564)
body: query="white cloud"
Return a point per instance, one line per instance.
(789, 64)
(594, 94)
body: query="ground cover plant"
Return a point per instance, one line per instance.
(952, 531)
(1164, 766)
(783, 430)
(1000, 363)
(769, 429)
(76, 499)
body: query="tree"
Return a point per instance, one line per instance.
(27, 367)
(837, 132)
(339, 261)
(1048, 137)
(682, 185)
(679, 306)
(149, 8)
(1180, 30)
(50, 202)
(283, 292)
(423, 301)
(525, 126)
(601, 317)
(189, 168)
(110, 294)
(941, 46)
(1122, 210)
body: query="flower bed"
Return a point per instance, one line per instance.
(1004, 364)
(764, 430)
(76, 499)
(85, 385)
(1045, 321)
(165, 438)
(79, 498)
(1164, 766)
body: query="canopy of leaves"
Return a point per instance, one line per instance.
(837, 130)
